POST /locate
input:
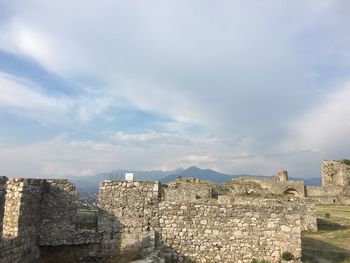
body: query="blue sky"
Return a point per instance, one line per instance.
(237, 86)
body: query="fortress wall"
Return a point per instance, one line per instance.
(59, 213)
(182, 191)
(335, 173)
(228, 233)
(130, 214)
(21, 221)
(328, 191)
(279, 187)
(3, 181)
(306, 209)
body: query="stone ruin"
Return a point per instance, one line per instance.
(39, 218)
(185, 221)
(335, 187)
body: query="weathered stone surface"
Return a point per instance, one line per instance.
(335, 187)
(229, 233)
(21, 221)
(187, 190)
(40, 215)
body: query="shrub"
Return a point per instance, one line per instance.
(345, 161)
(287, 256)
(259, 261)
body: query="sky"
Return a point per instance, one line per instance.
(247, 87)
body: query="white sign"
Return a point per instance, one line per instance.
(129, 176)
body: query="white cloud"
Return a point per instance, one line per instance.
(325, 127)
(24, 98)
(218, 73)
(241, 76)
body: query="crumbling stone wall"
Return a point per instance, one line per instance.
(305, 208)
(187, 190)
(335, 173)
(58, 219)
(194, 231)
(323, 190)
(307, 211)
(296, 187)
(130, 214)
(41, 215)
(20, 223)
(3, 181)
(282, 176)
(228, 233)
(335, 187)
(36, 213)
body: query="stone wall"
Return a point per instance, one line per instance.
(3, 181)
(335, 173)
(282, 176)
(295, 187)
(305, 208)
(21, 221)
(130, 214)
(228, 233)
(58, 218)
(40, 215)
(307, 211)
(323, 190)
(195, 232)
(187, 190)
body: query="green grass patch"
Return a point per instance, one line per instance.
(332, 241)
(87, 218)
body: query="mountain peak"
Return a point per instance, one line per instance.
(193, 168)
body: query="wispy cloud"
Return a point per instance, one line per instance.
(251, 89)
(24, 98)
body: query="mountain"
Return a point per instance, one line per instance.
(89, 184)
(309, 181)
(313, 181)
(203, 174)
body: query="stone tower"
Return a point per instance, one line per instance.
(282, 176)
(336, 173)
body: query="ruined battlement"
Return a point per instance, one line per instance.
(41, 215)
(187, 190)
(188, 220)
(336, 173)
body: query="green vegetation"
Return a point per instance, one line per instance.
(288, 256)
(87, 218)
(345, 161)
(259, 261)
(332, 242)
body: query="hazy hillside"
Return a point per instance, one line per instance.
(204, 174)
(90, 183)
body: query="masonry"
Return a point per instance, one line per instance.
(228, 233)
(40, 215)
(335, 187)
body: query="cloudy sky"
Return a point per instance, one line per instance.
(252, 87)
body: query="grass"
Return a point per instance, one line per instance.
(332, 242)
(87, 218)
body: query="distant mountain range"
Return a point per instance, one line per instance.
(90, 183)
(203, 174)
